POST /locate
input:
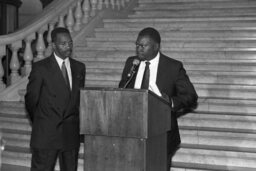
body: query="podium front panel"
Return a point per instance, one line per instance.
(123, 112)
(106, 153)
(124, 129)
(114, 113)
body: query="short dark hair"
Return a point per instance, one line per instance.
(152, 33)
(57, 31)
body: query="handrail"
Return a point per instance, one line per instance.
(48, 14)
(72, 14)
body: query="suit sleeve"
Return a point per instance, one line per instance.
(125, 72)
(33, 91)
(186, 96)
(83, 73)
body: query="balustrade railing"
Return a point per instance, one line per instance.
(35, 39)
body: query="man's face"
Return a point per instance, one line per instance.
(63, 45)
(146, 48)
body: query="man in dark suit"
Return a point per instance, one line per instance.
(52, 102)
(164, 76)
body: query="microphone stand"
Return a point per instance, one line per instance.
(129, 80)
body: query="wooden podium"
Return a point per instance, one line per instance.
(124, 130)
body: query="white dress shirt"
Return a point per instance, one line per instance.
(153, 74)
(67, 64)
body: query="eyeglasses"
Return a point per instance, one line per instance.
(141, 45)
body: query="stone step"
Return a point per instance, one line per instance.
(164, 47)
(19, 158)
(227, 105)
(213, 89)
(195, 66)
(203, 78)
(214, 159)
(219, 121)
(191, 13)
(226, 91)
(182, 23)
(121, 56)
(11, 104)
(205, 139)
(184, 37)
(185, 29)
(235, 81)
(206, 104)
(23, 158)
(117, 72)
(235, 141)
(188, 1)
(16, 134)
(122, 59)
(214, 44)
(183, 26)
(12, 108)
(156, 5)
(228, 20)
(15, 124)
(222, 140)
(217, 36)
(237, 106)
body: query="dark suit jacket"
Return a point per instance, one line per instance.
(172, 81)
(52, 107)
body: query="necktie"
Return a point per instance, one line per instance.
(65, 74)
(145, 79)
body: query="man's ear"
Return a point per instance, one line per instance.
(53, 45)
(157, 46)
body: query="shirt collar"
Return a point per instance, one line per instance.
(60, 60)
(154, 60)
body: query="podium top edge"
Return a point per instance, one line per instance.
(125, 89)
(114, 89)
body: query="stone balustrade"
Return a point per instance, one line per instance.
(35, 39)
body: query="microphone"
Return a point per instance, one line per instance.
(135, 63)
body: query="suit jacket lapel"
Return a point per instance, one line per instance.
(161, 72)
(56, 73)
(75, 86)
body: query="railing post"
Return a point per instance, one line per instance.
(40, 45)
(48, 50)
(70, 19)
(2, 53)
(100, 5)
(118, 4)
(107, 3)
(122, 3)
(78, 15)
(112, 3)
(61, 22)
(28, 54)
(86, 10)
(15, 64)
(94, 8)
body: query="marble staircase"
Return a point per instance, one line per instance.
(215, 40)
